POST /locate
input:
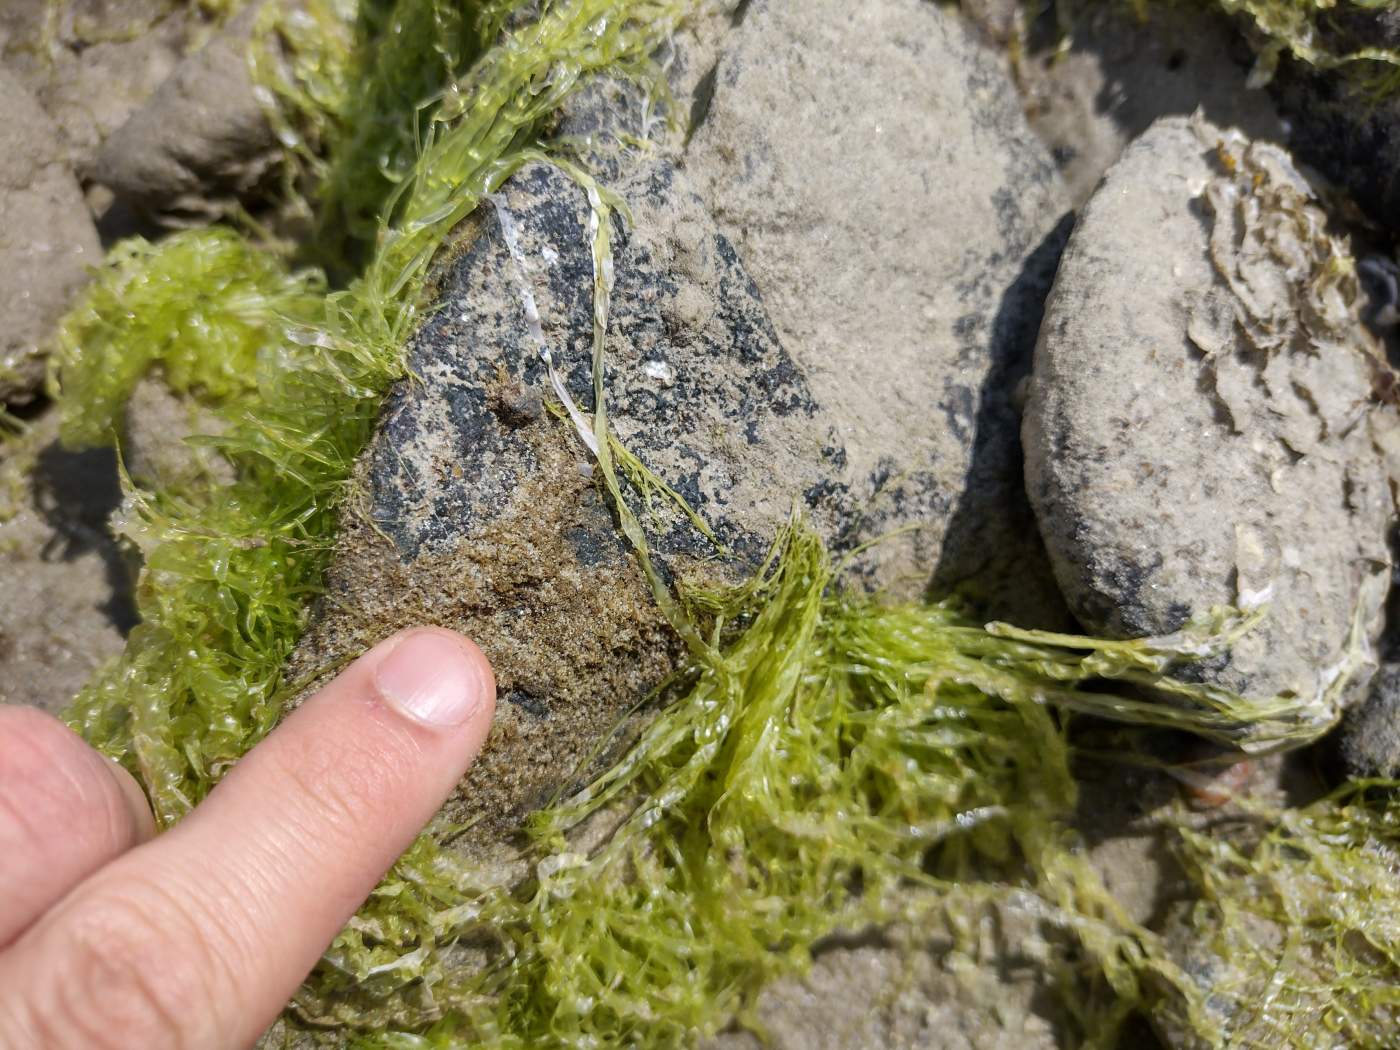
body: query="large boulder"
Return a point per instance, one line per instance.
(47, 241)
(1209, 421)
(483, 510)
(872, 166)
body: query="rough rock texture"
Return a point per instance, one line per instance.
(897, 990)
(47, 240)
(1120, 72)
(202, 136)
(1368, 740)
(67, 588)
(872, 167)
(1338, 124)
(1203, 426)
(91, 63)
(482, 510)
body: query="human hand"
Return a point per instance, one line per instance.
(110, 938)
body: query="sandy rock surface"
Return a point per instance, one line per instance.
(67, 588)
(897, 990)
(92, 63)
(1204, 425)
(47, 239)
(1121, 71)
(871, 164)
(201, 139)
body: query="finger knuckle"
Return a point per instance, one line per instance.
(131, 970)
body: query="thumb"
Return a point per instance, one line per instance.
(198, 938)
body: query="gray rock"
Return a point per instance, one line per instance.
(1204, 425)
(91, 65)
(47, 239)
(202, 137)
(1368, 740)
(482, 509)
(873, 168)
(904, 988)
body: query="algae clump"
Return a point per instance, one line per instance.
(818, 755)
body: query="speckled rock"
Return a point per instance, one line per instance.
(482, 510)
(873, 168)
(1368, 740)
(47, 239)
(202, 140)
(1206, 426)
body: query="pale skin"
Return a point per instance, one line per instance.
(114, 937)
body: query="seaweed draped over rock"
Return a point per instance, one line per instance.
(820, 754)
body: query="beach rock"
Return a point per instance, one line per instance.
(48, 240)
(68, 600)
(1209, 423)
(202, 138)
(96, 63)
(901, 989)
(1368, 740)
(1339, 124)
(872, 166)
(485, 512)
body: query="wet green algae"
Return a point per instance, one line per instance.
(822, 761)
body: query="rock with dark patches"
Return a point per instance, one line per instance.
(872, 165)
(483, 510)
(47, 239)
(1368, 740)
(202, 140)
(1202, 428)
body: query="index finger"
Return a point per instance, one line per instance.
(198, 938)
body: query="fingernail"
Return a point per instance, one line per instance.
(429, 677)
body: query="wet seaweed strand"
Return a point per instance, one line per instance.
(822, 755)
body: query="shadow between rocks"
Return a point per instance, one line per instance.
(75, 493)
(994, 483)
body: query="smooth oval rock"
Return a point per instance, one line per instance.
(1209, 422)
(48, 240)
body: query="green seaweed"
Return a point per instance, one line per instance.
(822, 761)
